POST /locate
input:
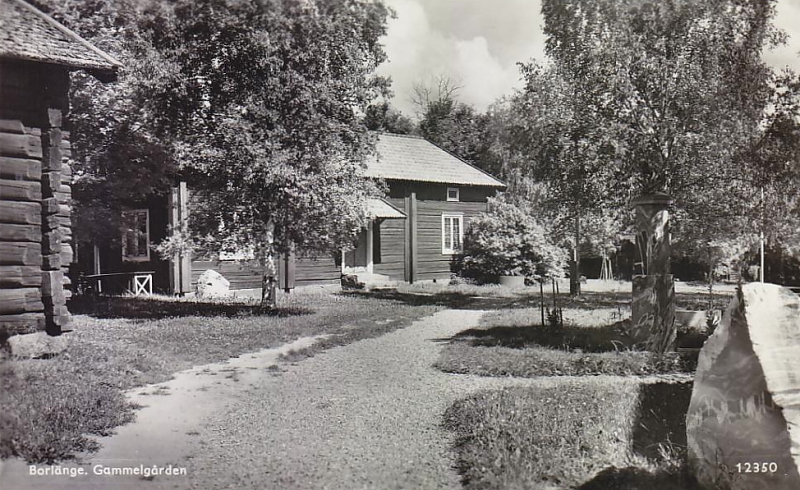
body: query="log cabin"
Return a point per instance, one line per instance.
(414, 231)
(37, 55)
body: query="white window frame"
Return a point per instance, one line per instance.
(136, 258)
(457, 198)
(448, 248)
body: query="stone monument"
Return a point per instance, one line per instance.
(743, 418)
(653, 307)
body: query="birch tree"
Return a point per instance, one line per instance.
(260, 102)
(679, 94)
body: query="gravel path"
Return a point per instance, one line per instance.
(363, 416)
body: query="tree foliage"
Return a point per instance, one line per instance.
(383, 117)
(508, 240)
(673, 97)
(117, 161)
(255, 102)
(259, 101)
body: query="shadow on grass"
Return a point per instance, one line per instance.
(452, 299)
(633, 478)
(659, 432)
(596, 339)
(155, 309)
(528, 298)
(661, 419)
(609, 338)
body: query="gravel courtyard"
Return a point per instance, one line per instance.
(363, 416)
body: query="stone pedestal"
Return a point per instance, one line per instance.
(653, 308)
(653, 312)
(743, 419)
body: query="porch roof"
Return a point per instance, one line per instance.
(27, 33)
(378, 209)
(403, 157)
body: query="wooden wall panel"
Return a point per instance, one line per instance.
(247, 275)
(432, 264)
(316, 270)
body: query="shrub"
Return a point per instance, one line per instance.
(509, 241)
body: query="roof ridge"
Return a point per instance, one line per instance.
(419, 159)
(409, 136)
(467, 163)
(70, 33)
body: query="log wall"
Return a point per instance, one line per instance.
(35, 193)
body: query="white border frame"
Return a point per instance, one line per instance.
(369, 267)
(458, 194)
(460, 216)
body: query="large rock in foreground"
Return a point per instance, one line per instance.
(742, 424)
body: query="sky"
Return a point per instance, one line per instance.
(477, 44)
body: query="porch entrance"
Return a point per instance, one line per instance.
(359, 259)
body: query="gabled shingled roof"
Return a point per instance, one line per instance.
(402, 157)
(26, 33)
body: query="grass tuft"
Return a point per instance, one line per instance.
(579, 434)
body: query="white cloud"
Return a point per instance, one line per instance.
(482, 76)
(478, 42)
(418, 53)
(787, 18)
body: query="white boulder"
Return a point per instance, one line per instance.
(35, 345)
(212, 284)
(743, 421)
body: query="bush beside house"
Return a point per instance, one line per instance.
(508, 241)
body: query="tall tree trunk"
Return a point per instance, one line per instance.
(269, 280)
(575, 272)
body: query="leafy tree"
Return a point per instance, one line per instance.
(385, 118)
(116, 159)
(259, 101)
(677, 99)
(459, 128)
(556, 135)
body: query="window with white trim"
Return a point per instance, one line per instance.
(136, 235)
(453, 194)
(452, 233)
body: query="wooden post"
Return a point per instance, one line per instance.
(413, 236)
(575, 269)
(653, 306)
(370, 246)
(96, 266)
(410, 245)
(541, 299)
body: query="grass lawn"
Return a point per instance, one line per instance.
(590, 434)
(511, 341)
(129, 342)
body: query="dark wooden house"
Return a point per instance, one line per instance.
(413, 234)
(36, 57)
